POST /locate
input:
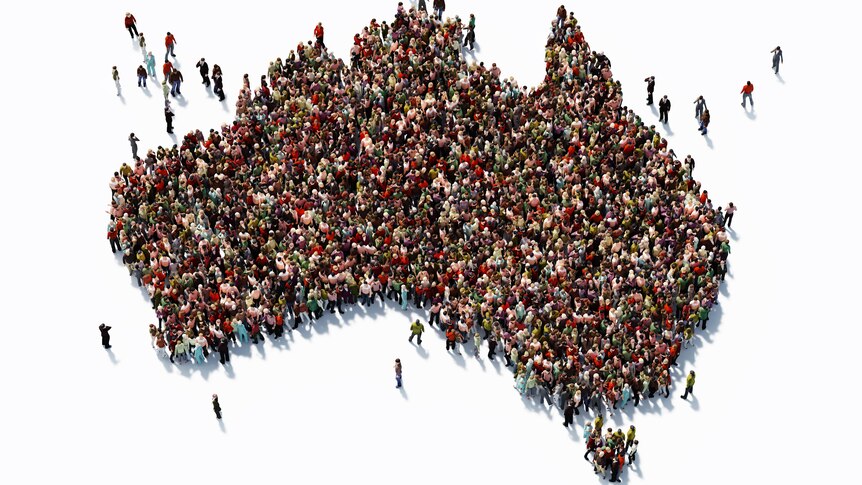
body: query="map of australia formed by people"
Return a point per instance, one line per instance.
(550, 220)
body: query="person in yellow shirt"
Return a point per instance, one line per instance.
(689, 385)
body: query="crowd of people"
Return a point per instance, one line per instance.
(551, 221)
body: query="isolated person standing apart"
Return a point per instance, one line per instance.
(777, 58)
(398, 373)
(116, 75)
(318, 35)
(142, 76)
(106, 337)
(663, 109)
(216, 406)
(170, 42)
(728, 214)
(416, 330)
(169, 119)
(133, 140)
(204, 70)
(650, 88)
(704, 122)
(699, 106)
(129, 22)
(746, 93)
(689, 385)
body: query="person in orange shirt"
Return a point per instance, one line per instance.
(746, 93)
(170, 42)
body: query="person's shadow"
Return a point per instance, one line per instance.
(751, 114)
(221, 425)
(403, 392)
(708, 141)
(112, 356)
(780, 79)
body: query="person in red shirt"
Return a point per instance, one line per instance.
(318, 34)
(129, 22)
(170, 42)
(746, 93)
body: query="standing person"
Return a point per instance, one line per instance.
(318, 35)
(166, 91)
(492, 346)
(699, 106)
(216, 406)
(106, 337)
(169, 119)
(116, 75)
(167, 67)
(176, 78)
(704, 122)
(650, 88)
(218, 84)
(151, 64)
(133, 140)
(439, 8)
(633, 452)
(689, 385)
(569, 413)
(477, 344)
(470, 39)
(223, 351)
(416, 330)
(204, 69)
(142, 43)
(746, 93)
(142, 76)
(398, 373)
(777, 58)
(663, 109)
(170, 42)
(728, 214)
(630, 436)
(130, 22)
(450, 339)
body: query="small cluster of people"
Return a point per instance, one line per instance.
(549, 222)
(610, 449)
(173, 78)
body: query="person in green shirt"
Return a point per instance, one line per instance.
(416, 330)
(689, 385)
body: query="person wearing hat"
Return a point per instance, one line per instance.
(216, 406)
(689, 384)
(416, 330)
(106, 337)
(398, 382)
(204, 69)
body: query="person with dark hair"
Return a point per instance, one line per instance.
(169, 119)
(176, 80)
(728, 214)
(416, 330)
(133, 140)
(398, 382)
(492, 346)
(106, 337)
(218, 84)
(204, 69)
(116, 75)
(170, 42)
(663, 109)
(689, 385)
(439, 8)
(142, 76)
(704, 122)
(318, 35)
(470, 39)
(569, 413)
(699, 106)
(777, 58)
(650, 88)
(223, 351)
(746, 94)
(216, 406)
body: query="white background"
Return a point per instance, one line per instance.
(777, 378)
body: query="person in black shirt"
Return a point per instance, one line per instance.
(106, 337)
(204, 70)
(650, 87)
(663, 109)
